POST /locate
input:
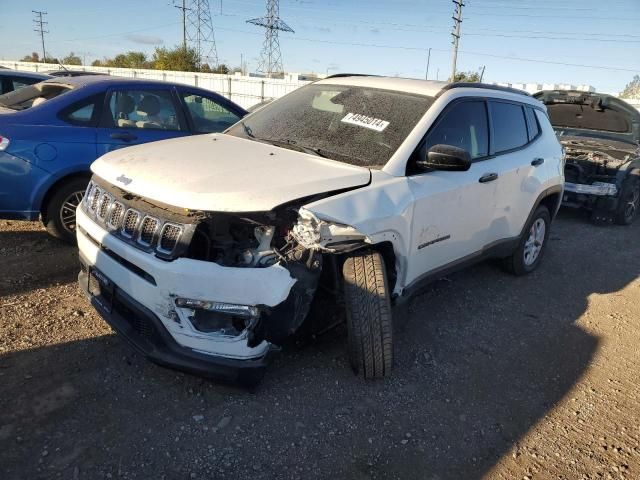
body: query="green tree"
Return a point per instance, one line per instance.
(72, 59)
(467, 77)
(129, 59)
(632, 90)
(34, 57)
(179, 58)
(222, 68)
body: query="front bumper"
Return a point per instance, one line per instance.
(600, 189)
(152, 285)
(144, 330)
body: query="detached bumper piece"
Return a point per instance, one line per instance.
(148, 335)
(596, 188)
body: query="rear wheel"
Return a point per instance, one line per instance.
(369, 320)
(59, 215)
(528, 254)
(629, 201)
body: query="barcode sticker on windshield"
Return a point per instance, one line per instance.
(366, 122)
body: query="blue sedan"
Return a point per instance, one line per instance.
(50, 133)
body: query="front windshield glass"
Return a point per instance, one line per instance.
(357, 125)
(33, 95)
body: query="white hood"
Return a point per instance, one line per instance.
(223, 173)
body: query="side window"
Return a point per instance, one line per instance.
(82, 113)
(465, 126)
(509, 126)
(152, 109)
(532, 123)
(19, 82)
(207, 115)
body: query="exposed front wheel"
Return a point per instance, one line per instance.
(59, 215)
(533, 242)
(369, 320)
(629, 201)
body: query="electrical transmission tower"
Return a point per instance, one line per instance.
(197, 31)
(457, 23)
(270, 56)
(40, 29)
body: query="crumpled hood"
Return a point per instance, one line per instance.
(223, 173)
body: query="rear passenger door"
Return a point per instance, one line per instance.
(139, 115)
(518, 159)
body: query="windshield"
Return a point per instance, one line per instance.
(33, 95)
(356, 125)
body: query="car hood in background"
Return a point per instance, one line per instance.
(591, 114)
(224, 173)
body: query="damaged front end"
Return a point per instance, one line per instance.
(594, 175)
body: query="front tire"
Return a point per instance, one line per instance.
(527, 256)
(629, 201)
(59, 215)
(369, 319)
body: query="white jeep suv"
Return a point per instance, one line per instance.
(206, 252)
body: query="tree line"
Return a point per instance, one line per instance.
(176, 59)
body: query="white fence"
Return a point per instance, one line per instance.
(241, 89)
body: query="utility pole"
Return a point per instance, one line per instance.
(457, 22)
(426, 76)
(40, 29)
(482, 73)
(184, 22)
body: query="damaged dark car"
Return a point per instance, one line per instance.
(601, 137)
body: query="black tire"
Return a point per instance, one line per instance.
(629, 201)
(56, 214)
(369, 319)
(518, 263)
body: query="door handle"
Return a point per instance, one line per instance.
(126, 136)
(536, 162)
(488, 177)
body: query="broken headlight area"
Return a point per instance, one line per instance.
(211, 317)
(314, 233)
(588, 165)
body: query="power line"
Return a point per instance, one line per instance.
(457, 23)
(40, 29)
(271, 57)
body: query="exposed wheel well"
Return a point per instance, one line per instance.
(56, 186)
(389, 256)
(552, 202)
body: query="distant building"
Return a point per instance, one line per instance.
(536, 87)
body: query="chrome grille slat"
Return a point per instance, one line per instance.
(116, 215)
(103, 205)
(130, 223)
(148, 229)
(97, 191)
(169, 237)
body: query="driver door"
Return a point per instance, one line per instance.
(452, 210)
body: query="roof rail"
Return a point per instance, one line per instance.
(486, 86)
(339, 75)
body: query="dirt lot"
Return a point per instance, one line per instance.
(496, 377)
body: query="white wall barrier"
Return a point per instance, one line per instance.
(241, 89)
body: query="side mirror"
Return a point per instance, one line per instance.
(447, 158)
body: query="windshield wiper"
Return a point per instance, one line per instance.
(292, 145)
(247, 129)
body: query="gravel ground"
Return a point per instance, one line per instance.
(495, 377)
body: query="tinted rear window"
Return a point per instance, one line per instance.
(532, 123)
(509, 126)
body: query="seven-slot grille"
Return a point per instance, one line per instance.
(132, 224)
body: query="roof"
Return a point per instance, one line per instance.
(409, 85)
(82, 80)
(9, 72)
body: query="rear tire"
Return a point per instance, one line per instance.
(369, 319)
(59, 216)
(527, 256)
(629, 201)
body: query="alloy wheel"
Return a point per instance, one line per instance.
(632, 204)
(533, 245)
(68, 210)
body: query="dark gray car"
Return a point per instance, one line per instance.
(601, 137)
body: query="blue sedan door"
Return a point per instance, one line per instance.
(135, 115)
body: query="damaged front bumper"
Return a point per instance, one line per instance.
(596, 188)
(152, 304)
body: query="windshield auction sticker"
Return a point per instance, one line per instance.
(366, 122)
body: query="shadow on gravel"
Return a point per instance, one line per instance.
(480, 358)
(32, 259)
